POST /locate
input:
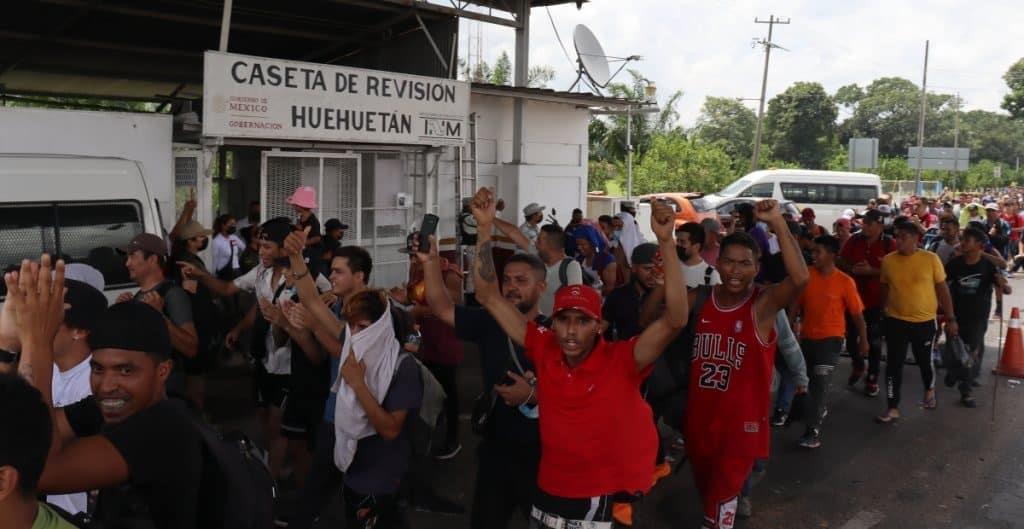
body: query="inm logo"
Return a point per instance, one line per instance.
(442, 128)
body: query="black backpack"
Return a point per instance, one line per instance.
(237, 490)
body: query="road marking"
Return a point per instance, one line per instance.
(864, 520)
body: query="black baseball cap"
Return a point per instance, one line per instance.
(644, 253)
(134, 326)
(335, 224)
(276, 230)
(86, 305)
(873, 215)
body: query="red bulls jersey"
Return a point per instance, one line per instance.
(730, 381)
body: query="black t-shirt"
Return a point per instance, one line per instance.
(475, 324)
(970, 286)
(622, 312)
(164, 453)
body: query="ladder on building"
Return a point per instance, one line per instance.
(465, 176)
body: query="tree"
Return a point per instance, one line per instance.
(992, 136)
(889, 110)
(848, 96)
(612, 139)
(801, 125)
(676, 163)
(1014, 101)
(502, 72)
(728, 124)
(539, 76)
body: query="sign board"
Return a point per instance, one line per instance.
(863, 153)
(257, 97)
(939, 158)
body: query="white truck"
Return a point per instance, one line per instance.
(81, 184)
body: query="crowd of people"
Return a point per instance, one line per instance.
(592, 343)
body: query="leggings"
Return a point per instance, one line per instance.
(822, 356)
(899, 334)
(873, 320)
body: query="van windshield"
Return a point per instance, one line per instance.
(734, 188)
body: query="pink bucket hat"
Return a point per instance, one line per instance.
(304, 197)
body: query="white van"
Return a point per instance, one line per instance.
(82, 208)
(828, 193)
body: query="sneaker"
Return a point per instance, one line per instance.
(855, 377)
(811, 439)
(968, 402)
(975, 383)
(871, 389)
(743, 508)
(779, 417)
(280, 521)
(449, 452)
(661, 471)
(438, 505)
(623, 513)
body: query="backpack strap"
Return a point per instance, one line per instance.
(563, 271)
(707, 275)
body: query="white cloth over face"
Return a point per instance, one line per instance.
(377, 347)
(631, 236)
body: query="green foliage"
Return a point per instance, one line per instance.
(602, 173)
(728, 124)
(608, 142)
(502, 72)
(675, 163)
(889, 110)
(539, 76)
(800, 125)
(1014, 101)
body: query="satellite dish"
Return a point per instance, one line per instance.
(593, 61)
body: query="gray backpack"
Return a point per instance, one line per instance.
(431, 407)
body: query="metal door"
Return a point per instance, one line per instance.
(335, 177)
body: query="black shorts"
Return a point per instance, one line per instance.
(271, 390)
(301, 415)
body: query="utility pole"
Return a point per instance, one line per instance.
(956, 137)
(920, 122)
(768, 45)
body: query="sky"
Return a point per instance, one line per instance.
(704, 47)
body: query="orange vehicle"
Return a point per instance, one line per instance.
(690, 207)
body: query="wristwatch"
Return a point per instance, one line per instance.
(297, 277)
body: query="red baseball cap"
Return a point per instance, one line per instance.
(807, 213)
(578, 297)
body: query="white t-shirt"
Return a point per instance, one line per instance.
(531, 232)
(574, 276)
(67, 388)
(695, 275)
(221, 249)
(258, 281)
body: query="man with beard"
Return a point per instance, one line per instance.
(510, 450)
(690, 247)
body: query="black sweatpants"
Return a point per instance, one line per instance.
(324, 480)
(972, 332)
(445, 375)
(919, 336)
(873, 320)
(821, 357)
(506, 482)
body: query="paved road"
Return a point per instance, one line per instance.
(950, 468)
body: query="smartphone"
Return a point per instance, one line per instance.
(427, 228)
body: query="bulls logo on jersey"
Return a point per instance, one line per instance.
(715, 362)
(738, 328)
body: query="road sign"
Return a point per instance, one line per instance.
(939, 158)
(863, 153)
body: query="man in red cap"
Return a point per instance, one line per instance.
(807, 219)
(597, 439)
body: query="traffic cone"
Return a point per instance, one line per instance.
(1011, 363)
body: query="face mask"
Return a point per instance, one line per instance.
(763, 225)
(232, 230)
(206, 242)
(616, 235)
(530, 412)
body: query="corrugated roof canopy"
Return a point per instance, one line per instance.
(152, 49)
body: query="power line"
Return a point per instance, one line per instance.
(768, 45)
(559, 37)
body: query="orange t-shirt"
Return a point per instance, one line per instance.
(825, 301)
